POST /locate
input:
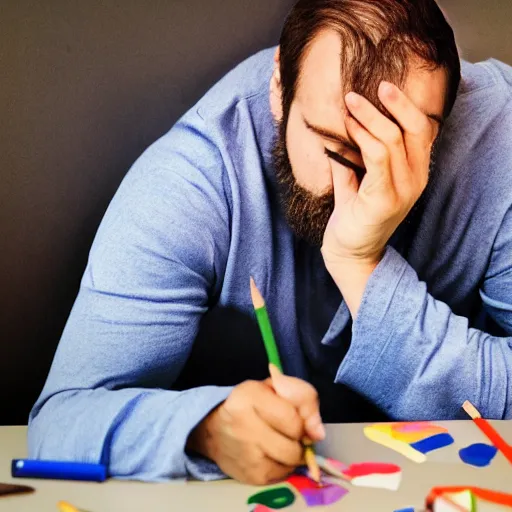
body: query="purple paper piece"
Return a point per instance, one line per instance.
(326, 495)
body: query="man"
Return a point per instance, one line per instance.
(377, 226)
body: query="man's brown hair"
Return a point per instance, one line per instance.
(380, 40)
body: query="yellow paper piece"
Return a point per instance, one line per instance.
(378, 436)
(414, 437)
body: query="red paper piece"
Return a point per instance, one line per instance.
(370, 468)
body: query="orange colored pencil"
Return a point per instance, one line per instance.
(493, 436)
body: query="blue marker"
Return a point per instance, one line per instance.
(26, 468)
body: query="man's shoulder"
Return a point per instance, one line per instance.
(488, 74)
(483, 111)
(476, 147)
(249, 78)
(485, 95)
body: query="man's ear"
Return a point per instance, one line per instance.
(276, 94)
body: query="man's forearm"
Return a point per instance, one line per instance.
(415, 359)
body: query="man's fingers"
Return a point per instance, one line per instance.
(304, 397)
(375, 156)
(272, 443)
(344, 182)
(274, 472)
(384, 131)
(419, 132)
(280, 414)
(382, 128)
(280, 448)
(411, 119)
(255, 468)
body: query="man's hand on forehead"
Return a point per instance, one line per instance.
(404, 147)
(397, 161)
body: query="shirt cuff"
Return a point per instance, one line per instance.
(199, 467)
(339, 322)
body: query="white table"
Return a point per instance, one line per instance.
(344, 442)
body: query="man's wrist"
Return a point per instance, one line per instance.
(201, 439)
(351, 275)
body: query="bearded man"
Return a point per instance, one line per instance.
(361, 173)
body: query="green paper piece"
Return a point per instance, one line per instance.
(276, 498)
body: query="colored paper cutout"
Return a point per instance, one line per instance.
(274, 498)
(317, 494)
(433, 443)
(367, 474)
(409, 509)
(415, 426)
(336, 464)
(479, 454)
(376, 475)
(412, 440)
(498, 498)
(462, 501)
(370, 468)
(398, 446)
(260, 508)
(390, 482)
(418, 435)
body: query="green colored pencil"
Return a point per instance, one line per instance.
(266, 329)
(273, 357)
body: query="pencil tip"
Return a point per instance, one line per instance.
(256, 296)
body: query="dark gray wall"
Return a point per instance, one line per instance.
(84, 88)
(482, 27)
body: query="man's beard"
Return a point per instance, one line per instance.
(306, 213)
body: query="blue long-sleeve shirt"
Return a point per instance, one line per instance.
(197, 214)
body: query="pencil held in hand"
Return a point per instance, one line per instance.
(309, 456)
(265, 327)
(276, 368)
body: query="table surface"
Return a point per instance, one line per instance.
(344, 442)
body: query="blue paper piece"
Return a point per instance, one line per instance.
(479, 454)
(433, 443)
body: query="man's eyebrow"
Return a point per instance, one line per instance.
(328, 134)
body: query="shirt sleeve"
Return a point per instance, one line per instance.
(154, 265)
(415, 359)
